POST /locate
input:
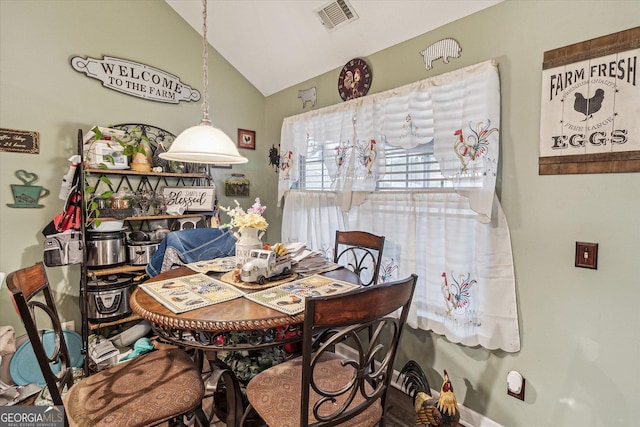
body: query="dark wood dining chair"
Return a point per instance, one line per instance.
(323, 388)
(360, 251)
(156, 387)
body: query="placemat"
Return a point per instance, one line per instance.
(187, 293)
(252, 286)
(289, 298)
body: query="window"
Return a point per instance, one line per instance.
(412, 169)
(451, 231)
(404, 169)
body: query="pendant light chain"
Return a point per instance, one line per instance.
(205, 67)
(204, 143)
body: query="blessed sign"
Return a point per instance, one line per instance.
(192, 199)
(19, 141)
(132, 78)
(590, 106)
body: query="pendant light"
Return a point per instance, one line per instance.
(204, 143)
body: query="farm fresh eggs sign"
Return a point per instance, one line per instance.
(591, 106)
(590, 102)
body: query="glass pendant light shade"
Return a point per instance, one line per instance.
(204, 144)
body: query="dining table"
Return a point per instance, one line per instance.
(214, 328)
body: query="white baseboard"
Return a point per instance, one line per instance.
(468, 417)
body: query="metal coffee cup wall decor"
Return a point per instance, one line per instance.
(27, 195)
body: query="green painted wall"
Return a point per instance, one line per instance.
(579, 345)
(40, 91)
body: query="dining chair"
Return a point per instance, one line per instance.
(322, 387)
(150, 389)
(360, 251)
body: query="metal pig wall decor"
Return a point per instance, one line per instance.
(445, 49)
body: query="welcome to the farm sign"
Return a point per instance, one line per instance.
(590, 106)
(132, 78)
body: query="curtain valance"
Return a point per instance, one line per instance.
(458, 111)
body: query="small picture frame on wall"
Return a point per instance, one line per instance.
(247, 139)
(237, 185)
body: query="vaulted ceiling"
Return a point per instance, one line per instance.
(276, 44)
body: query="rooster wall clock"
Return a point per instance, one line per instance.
(354, 80)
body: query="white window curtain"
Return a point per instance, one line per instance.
(466, 284)
(459, 110)
(456, 241)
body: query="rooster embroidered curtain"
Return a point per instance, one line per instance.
(458, 111)
(457, 241)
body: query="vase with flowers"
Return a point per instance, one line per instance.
(250, 228)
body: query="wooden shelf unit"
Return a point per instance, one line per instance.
(94, 326)
(114, 180)
(150, 217)
(138, 173)
(98, 272)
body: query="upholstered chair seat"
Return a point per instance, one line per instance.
(322, 388)
(159, 386)
(149, 388)
(275, 393)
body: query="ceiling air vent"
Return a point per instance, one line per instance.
(337, 13)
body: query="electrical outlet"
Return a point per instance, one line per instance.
(70, 325)
(587, 255)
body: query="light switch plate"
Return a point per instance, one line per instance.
(587, 255)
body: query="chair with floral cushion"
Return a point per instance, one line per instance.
(147, 390)
(323, 388)
(361, 252)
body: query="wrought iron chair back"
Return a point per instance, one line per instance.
(361, 252)
(332, 389)
(156, 387)
(24, 285)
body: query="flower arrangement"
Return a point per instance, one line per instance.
(251, 218)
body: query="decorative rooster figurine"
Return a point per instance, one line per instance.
(440, 412)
